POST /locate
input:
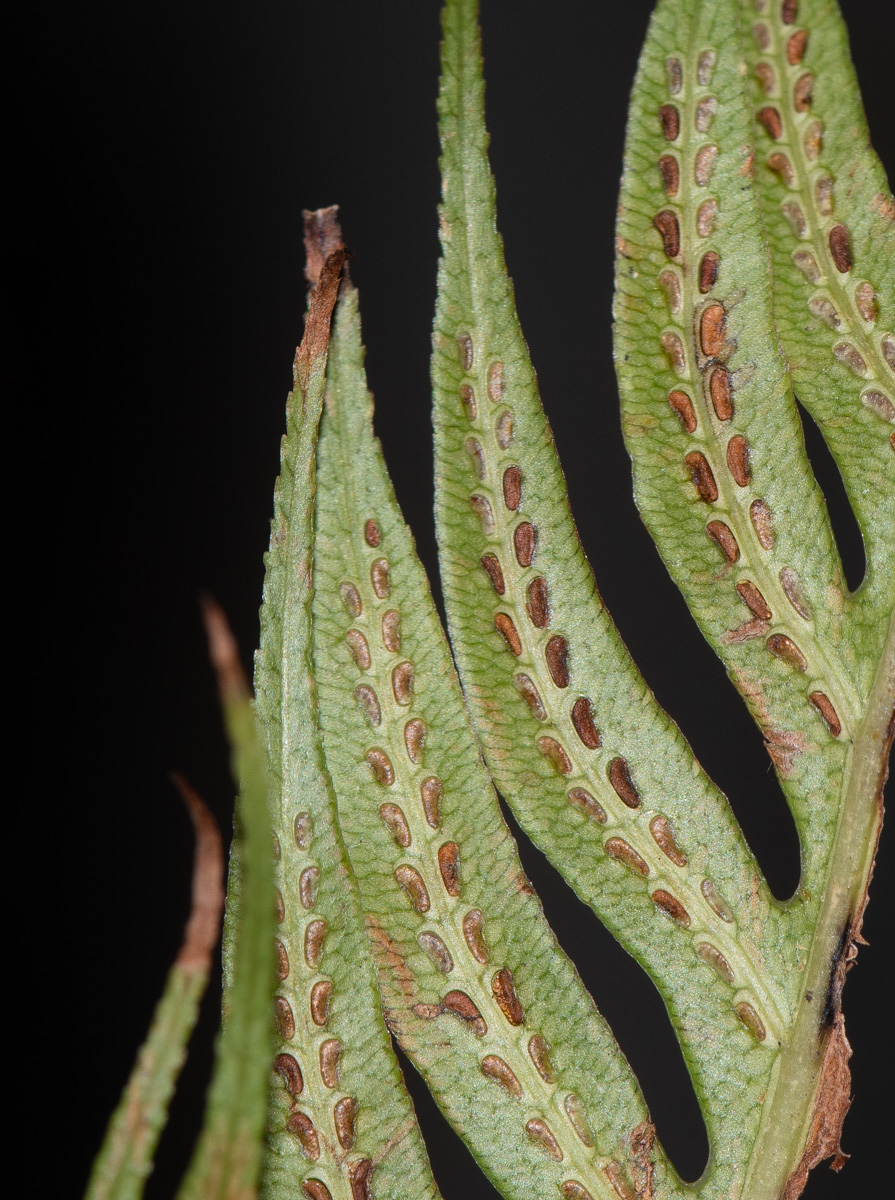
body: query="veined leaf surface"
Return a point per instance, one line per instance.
(723, 483)
(830, 220)
(597, 774)
(226, 1162)
(125, 1158)
(341, 1122)
(474, 985)
(562, 711)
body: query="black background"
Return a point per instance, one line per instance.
(174, 147)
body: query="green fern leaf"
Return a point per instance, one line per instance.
(226, 1162)
(830, 218)
(596, 773)
(341, 1122)
(474, 986)
(125, 1158)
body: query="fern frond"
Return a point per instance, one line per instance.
(340, 1118)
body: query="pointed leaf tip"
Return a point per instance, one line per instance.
(125, 1159)
(224, 654)
(325, 256)
(204, 923)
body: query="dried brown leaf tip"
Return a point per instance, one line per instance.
(325, 257)
(224, 653)
(204, 923)
(322, 237)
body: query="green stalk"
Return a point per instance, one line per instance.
(802, 1119)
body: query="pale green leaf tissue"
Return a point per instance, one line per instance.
(755, 264)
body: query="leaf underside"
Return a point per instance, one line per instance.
(474, 986)
(340, 1120)
(472, 983)
(226, 1162)
(755, 263)
(125, 1159)
(598, 776)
